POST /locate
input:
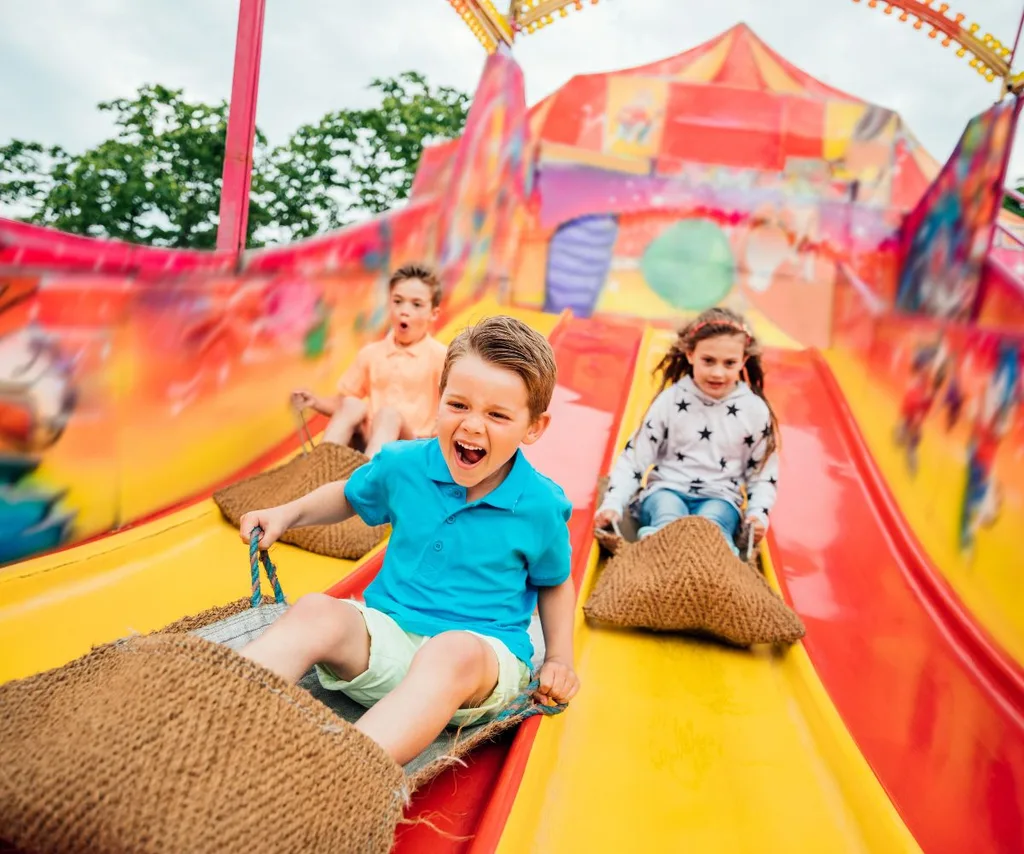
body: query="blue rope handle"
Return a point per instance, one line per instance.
(255, 557)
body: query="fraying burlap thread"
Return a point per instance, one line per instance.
(461, 748)
(210, 615)
(326, 463)
(169, 742)
(685, 578)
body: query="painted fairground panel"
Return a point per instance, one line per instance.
(941, 410)
(947, 236)
(856, 308)
(434, 170)
(483, 209)
(123, 395)
(1001, 298)
(59, 430)
(669, 246)
(366, 248)
(363, 255)
(213, 363)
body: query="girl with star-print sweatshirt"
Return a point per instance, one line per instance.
(709, 437)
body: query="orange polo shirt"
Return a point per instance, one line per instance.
(406, 378)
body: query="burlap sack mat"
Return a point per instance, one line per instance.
(684, 578)
(326, 463)
(169, 742)
(237, 624)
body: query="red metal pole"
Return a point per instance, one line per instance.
(234, 195)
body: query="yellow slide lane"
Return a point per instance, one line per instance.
(679, 745)
(56, 607)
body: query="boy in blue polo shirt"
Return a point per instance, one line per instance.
(479, 538)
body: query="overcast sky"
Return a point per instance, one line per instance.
(58, 58)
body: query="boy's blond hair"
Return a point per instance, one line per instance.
(422, 272)
(510, 344)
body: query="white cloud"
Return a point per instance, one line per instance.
(58, 58)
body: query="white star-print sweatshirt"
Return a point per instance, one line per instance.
(701, 448)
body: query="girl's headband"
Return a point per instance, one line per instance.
(730, 324)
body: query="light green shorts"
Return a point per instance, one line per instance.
(391, 652)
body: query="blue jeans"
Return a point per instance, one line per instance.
(664, 506)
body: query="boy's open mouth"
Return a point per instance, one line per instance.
(469, 455)
(403, 325)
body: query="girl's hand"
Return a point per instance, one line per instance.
(274, 522)
(303, 399)
(607, 518)
(758, 529)
(557, 683)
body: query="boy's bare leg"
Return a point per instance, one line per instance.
(388, 426)
(450, 671)
(317, 628)
(345, 421)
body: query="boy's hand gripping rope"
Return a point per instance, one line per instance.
(256, 555)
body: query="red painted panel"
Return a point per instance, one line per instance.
(740, 68)
(731, 127)
(719, 106)
(939, 717)
(908, 181)
(738, 147)
(803, 128)
(1001, 303)
(581, 100)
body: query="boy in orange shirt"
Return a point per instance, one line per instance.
(390, 391)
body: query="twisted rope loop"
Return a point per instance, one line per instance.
(257, 556)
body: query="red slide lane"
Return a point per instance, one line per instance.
(936, 709)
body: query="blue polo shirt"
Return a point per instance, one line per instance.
(453, 565)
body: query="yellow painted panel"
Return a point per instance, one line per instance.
(529, 285)
(840, 119)
(777, 78)
(706, 67)
(635, 116)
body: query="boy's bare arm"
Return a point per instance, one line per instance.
(325, 505)
(557, 606)
(557, 680)
(327, 405)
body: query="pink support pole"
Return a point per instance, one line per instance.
(234, 195)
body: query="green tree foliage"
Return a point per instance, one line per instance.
(158, 180)
(357, 162)
(1011, 204)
